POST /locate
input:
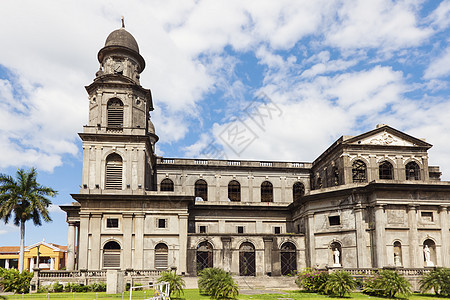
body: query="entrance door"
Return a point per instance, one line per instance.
(247, 260)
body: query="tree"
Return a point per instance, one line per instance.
(438, 280)
(176, 282)
(339, 283)
(26, 199)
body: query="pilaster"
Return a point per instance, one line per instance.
(443, 216)
(361, 243)
(95, 225)
(380, 243)
(310, 240)
(127, 227)
(183, 228)
(414, 249)
(71, 247)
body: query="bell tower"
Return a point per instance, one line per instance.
(119, 140)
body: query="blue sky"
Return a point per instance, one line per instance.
(327, 68)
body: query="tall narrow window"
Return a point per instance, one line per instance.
(359, 170)
(113, 172)
(166, 185)
(111, 255)
(201, 190)
(412, 171)
(161, 256)
(234, 191)
(386, 170)
(266, 192)
(298, 190)
(115, 113)
(288, 258)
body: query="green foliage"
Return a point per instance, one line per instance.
(44, 289)
(339, 283)
(217, 283)
(57, 287)
(14, 281)
(312, 280)
(177, 283)
(437, 280)
(97, 287)
(387, 283)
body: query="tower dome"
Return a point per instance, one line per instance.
(122, 38)
(121, 42)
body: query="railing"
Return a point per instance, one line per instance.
(233, 163)
(200, 162)
(265, 164)
(372, 271)
(94, 273)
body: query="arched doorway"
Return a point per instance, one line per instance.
(288, 258)
(247, 265)
(204, 256)
(111, 255)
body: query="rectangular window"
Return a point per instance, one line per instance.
(112, 223)
(202, 229)
(277, 230)
(334, 220)
(240, 229)
(427, 216)
(162, 223)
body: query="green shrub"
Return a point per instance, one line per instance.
(97, 287)
(57, 287)
(312, 280)
(217, 283)
(14, 281)
(79, 288)
(339, 283)
(437, 280)
(44, 289)
(387, 283)
(176, 282)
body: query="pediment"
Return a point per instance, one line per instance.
(387, 136)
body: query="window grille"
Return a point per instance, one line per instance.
(201, 189)
(247, 265)
(204, 256)
(113, 172)
(266, 192)
(386, 170)
(412, 171)
(112, 223)
(115, 113)
(359, 170)
(288, 258)
(298, 190)
(167, 185)
(161, 256)
(234, 191)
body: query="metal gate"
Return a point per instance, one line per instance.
(204, 256)
(288, 259)
(247, 266)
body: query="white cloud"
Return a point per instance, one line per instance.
(440, 17)
(439, 67)
(382, 24)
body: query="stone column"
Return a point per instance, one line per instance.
(268, 241)
(415, 253)
(445, 236)
(71, 247)
(183, 228)
(139, 241)
(52, 263)
(127, 227)
(84, 242)
(380, 242)
(226, 253)
(310, 240)
(361, 243)
(95, 228)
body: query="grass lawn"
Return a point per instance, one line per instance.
(192, 294)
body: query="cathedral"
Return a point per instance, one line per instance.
(368, 201)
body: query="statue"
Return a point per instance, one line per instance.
(427, 253)
(336, 255)
(397, 262)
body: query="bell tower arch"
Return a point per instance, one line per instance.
(119, 120)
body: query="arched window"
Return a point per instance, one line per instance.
(247, 265)
(204, 256)
(201, 190)
(319, 183)
(266, 192)
(397, 254)
(111, 255)
(412, 171)
(166, 185)
(113, 172)
(115, 113)
(386, 170)
(359, 170)
(234, 191)
(288, 258)
(298, 190)
(161, 256)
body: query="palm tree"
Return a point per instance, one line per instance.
(25, 198)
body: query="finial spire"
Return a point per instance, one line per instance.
(123, 22)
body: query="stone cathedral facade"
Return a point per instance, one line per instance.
(367, 201)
